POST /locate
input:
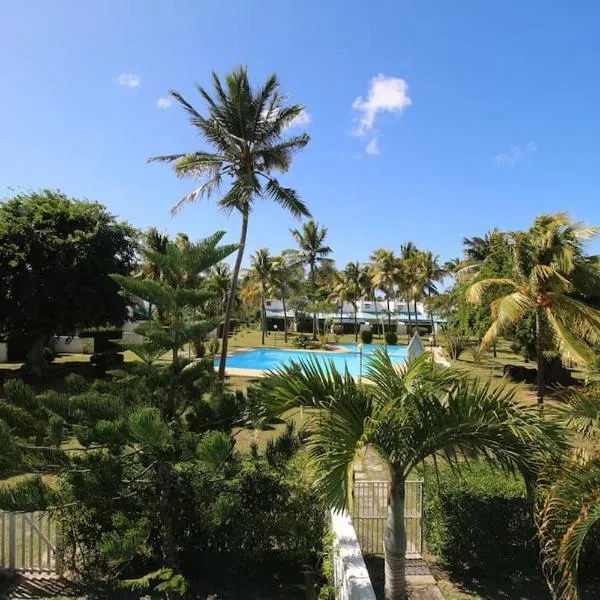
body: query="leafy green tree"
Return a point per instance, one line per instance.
(313, 253)
(245, 128)
(407, 417)
(544, 262)
(353, 282)
(154, 241)
(287, 281)
(56, 254)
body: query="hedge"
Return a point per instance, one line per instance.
(480, 520)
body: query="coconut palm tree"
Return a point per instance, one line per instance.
(313, 252)
(355, 283)
(262, 274)
(385, 270)
(408, 252)
(286, 279)
(407, 417)
(219, 279)
(245, 127)
(545, 261)
(570, 507)
(431, 274)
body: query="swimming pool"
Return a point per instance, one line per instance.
(266, 359)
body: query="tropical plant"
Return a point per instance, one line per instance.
(312, 253)
(408, 252)
(354, 283)
(246, 128)
(287, 277)
(262, 275)
(545, 261)
(183, 307)
(407, 417)
(431, 273)
(568, 517)
(385, 274)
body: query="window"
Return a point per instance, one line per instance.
(268, 303)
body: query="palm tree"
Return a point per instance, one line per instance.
(262, 274)
(286, 280)
(219, 279)
(245, 127)
(545, 260)
(570, 509)
(407, 254)
(354, 282)
(153, 241)
(313, 253)
(431, 273)
(385, 271)
(407, 417)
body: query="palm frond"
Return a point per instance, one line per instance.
(476, 292)
(286, 197)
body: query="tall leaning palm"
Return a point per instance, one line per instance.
(245, 128)
(407, 417)
(546, 260)
(313, 252)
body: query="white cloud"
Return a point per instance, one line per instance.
(386, 94)
(303, 118)
(164, 102)
(515, 154)
(129, 80)
(373, 147)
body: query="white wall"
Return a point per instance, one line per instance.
(3, 352)
(350, 574)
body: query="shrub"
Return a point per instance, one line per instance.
(199, 348)
(338, 329)
(366, 336)
(453, 346)
(328, 339)
(75, 383)
(301, 341)
(391, 339)
(516, 347)
(477, 354)
(480, 520)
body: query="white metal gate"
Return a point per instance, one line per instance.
(28, 542)
(369, 515)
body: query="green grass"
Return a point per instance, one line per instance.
(252, 338)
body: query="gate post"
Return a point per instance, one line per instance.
(12, 540)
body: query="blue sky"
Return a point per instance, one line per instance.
(476, 114)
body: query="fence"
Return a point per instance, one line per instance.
(369, 515)
(28, 542)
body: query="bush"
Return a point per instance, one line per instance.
(338, 329)
(199, 348)
(516, 347)
(391, 339)
(366, 336)
(481, 520)
(301, 341)
(453, 346)
(328, 339)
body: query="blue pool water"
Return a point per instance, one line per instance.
(266, 359)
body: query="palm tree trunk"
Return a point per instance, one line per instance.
(541, 384)
(416, 315)
(342, 316)
(263, 317)
(394, 542)
(355, 324)
(387, 298)
(284, 319)
(409, 318)
(432, 323)
(313, 292)
(232, 293)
